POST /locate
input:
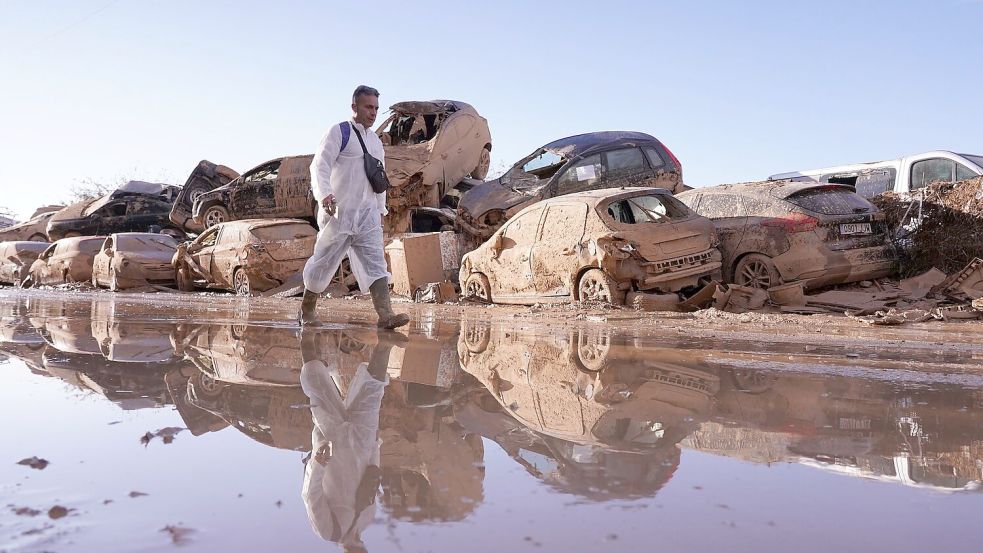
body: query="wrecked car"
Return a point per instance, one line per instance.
(573, 164)
(245, 257)
(134, 207)
(783, 231)
(34, 229)
(593, 246)
(16, 259)
(133, 260)
(67, 260)
(206, 177)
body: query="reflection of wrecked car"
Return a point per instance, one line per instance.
(276, 188)
(67, 260)
(593, 246)
(134, 207)
(207, 176)
(784, 231)
(134, 259)
(34, 229)
(573, 164)
(246, 257)
(430, 147)
(16, 259)
(246, 354)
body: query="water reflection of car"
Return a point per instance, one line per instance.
(596, 246)
(775, 232)
(245, 354)
(573, 164)
(246, 257)
(16, 259)
(134, 259)
(67, 260)
(134, 207)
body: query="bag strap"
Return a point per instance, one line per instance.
(346, 134)
(360, 141)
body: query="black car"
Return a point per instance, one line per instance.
(206, 177)
(134, 207)
(573, 164)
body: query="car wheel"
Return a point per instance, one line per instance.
(757, 271)
(38, 237)
(596, 285)
(214, 215)
(593, 351)
(205, 386)
(477, 286)
(484, 163)
(476, 336)
(240, 281)
(195, 192)
(184, 281)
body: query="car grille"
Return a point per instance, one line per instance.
(681, 262)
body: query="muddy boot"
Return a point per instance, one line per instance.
(383, 306)
(308, 308)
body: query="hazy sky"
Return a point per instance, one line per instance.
(142, 89)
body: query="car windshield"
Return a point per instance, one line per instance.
(978, 160)
(830, 200)
(646, 209)
(535, 170)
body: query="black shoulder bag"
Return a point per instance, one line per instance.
(374, 169)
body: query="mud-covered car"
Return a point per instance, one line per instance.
(246, 257)
(573, 164)
(594, 246)
(206, 177)
(134, 259)
(784, 231)
(34, 229)
(134, 207)
(67, 260)
(16, 259)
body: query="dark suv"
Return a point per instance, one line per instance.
(574, 164)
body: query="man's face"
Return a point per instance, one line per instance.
(366, 108)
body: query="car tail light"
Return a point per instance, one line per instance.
(793, 222)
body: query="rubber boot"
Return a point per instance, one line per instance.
(308, 308)
(383, 306)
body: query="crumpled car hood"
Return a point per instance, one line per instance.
(491, 195)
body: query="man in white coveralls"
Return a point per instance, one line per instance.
(349, 213)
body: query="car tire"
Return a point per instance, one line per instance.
(205, 386)
(477, 286)
(240, 282)
(215, 215)
(484, 164)
(185, 283)
(596, 285)
(593, 352)
(194, 192)
(38, 237)
(757, 271)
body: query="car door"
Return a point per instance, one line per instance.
(555, 258)
(203, 249)
(254, 193)
(511, 272)
(41, 276)
(102, 261)
(225, 254)
(583, 174)
(144, 213)
(111, 217)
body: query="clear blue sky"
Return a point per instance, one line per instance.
(738, 90)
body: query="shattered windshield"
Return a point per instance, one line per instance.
(534, 170)
(646, 209)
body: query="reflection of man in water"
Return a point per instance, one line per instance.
(342, 476)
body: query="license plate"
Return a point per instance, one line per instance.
(855, 228)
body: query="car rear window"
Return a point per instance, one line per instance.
(283, 232)
(647, 209)
(830, 200)
(160, 242)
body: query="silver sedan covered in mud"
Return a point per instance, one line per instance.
(134, 260)
(594, 246)
(784, 231)
(67, 260)
(249, 256)
(16, 259)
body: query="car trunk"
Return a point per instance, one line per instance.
(844, 220)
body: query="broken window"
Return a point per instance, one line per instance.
(927, 171)
(646, 209)
(208, 239)
(623, 163)
(581, 175)
(270, 171)
(872, 182)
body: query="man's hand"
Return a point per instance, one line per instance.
(329, 204)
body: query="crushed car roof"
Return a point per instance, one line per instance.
(578, 144)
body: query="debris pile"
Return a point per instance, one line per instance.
(940, 226)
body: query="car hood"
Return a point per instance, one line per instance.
(490, 195)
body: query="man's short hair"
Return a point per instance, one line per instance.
(363, 90)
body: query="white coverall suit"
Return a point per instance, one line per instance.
(356, 227)
(351, 424)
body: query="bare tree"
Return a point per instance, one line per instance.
(88, 189)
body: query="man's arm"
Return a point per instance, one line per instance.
(324, 157)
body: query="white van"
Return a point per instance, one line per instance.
(900, 175)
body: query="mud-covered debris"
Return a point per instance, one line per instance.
(967, 282)
(792, 293)
(25, 511)
(166, 434)
(917, 287)
(34, 462)
(58, 512)
(138, 494)
(643, 301)
(179, 535)
(436, 292)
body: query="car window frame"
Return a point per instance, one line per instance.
(645, 167)
(914, 164)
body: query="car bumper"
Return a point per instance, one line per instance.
(853, 266)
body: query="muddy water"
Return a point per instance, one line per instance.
(213, 425)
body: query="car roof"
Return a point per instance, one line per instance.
(578, 144)
(780, 189)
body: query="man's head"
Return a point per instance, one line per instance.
(365, 105)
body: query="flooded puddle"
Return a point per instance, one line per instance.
(143, 429)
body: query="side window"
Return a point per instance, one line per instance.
(624, 163)
(721, 206)
(209, 239)
(523, 229)
(872, 182)
(581, 175)
(927, 171)
(266, 172)
(963, 172)
(48, 252)
(655, 160)
(117, 209)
